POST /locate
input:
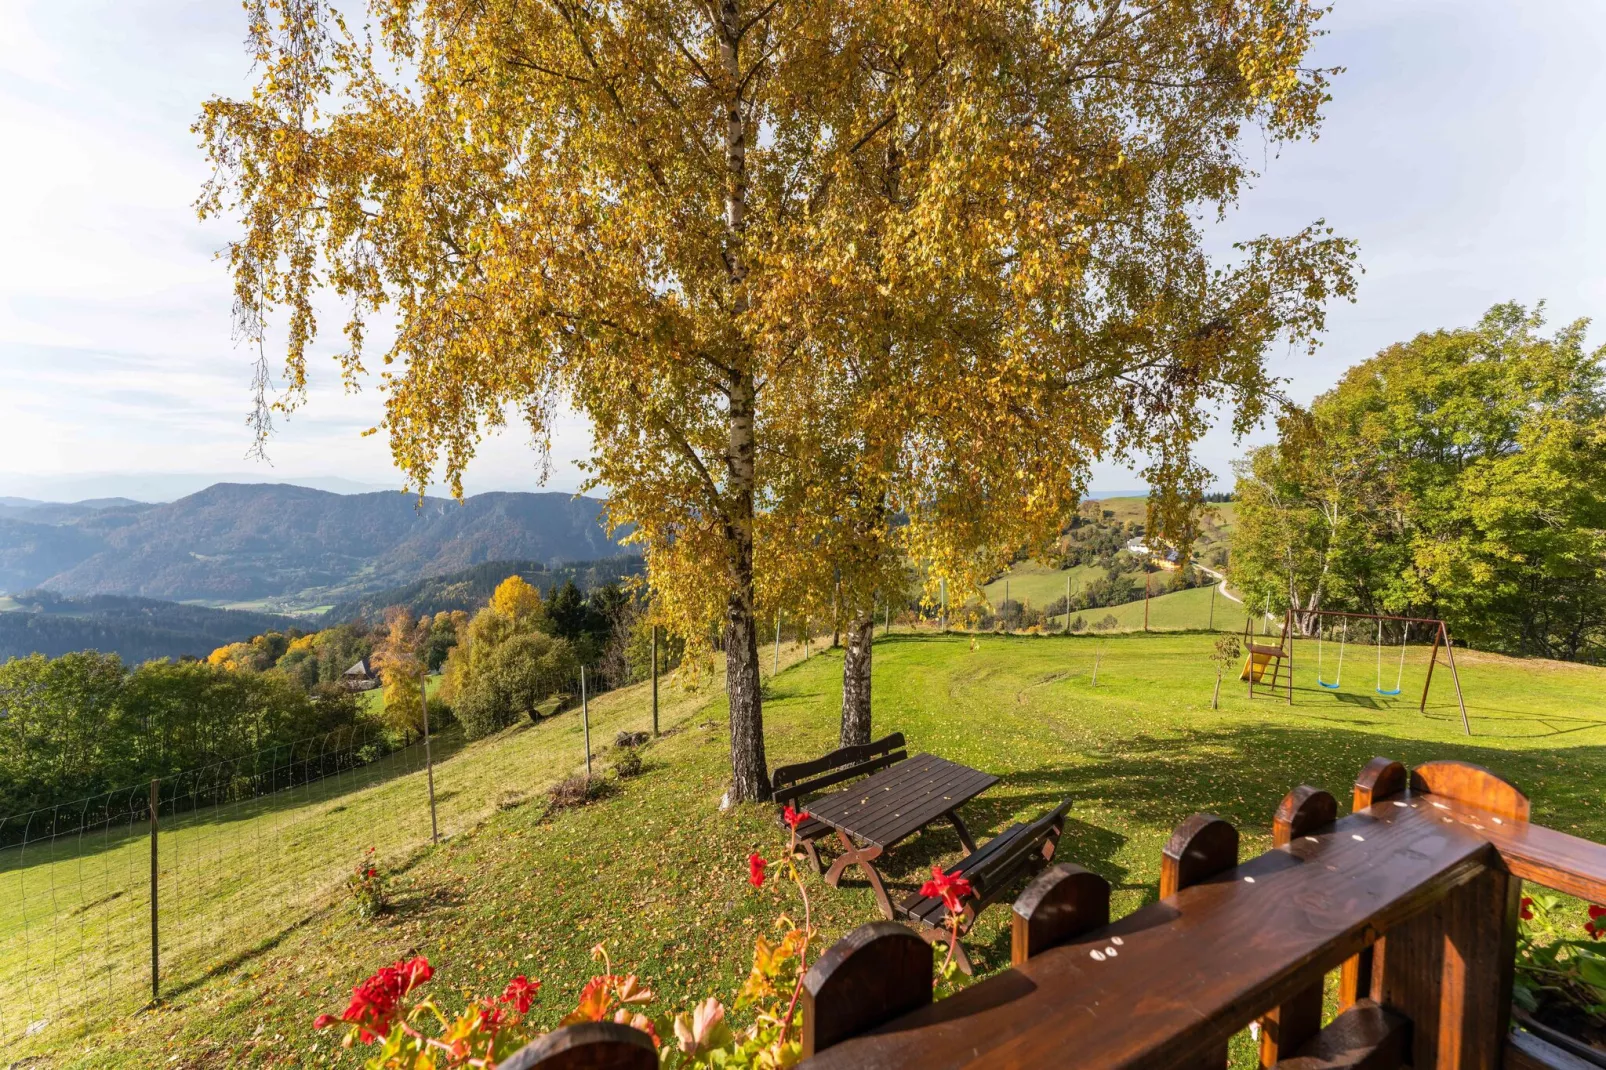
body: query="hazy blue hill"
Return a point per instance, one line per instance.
(138, 629)
(32, 551)
(248, 542)
(470, 588)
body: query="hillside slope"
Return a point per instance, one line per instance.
(470, 588)
(245, 543)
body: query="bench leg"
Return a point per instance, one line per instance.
(964, 833)
(861, 857)
(807, 847)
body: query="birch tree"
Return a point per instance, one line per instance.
(969, 232)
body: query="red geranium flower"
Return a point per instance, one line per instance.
(950, 888)
(374, 1003)
(1526, 910)
(371, 873)
(521, 993)
(755, 869)
(492, 1017)
(793, 818)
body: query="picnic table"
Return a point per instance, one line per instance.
(875, 813)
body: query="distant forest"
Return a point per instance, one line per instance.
(470, 588)
(136, 629)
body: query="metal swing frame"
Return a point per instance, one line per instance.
(1285, 649)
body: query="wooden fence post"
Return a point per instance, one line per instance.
(1062, 902)
(1379, 779)
(655, 669)
(429, 761)
(1201, 847)
(1283, 1031)
(1450, 968)
(878, 972)
(587, 1046)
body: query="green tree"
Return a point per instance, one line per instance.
(1458, 475)
(512, 680)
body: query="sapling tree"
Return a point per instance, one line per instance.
(1225, 654)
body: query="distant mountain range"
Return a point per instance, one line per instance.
(285, 547)
(137, 629)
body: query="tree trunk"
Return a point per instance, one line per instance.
(1215, 699)
(856, 681)
(749, 776)
(750, 780)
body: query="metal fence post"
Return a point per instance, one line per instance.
(585, 721)
(156, 961)
(429, 762)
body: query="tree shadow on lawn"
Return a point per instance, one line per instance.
(1239, 773)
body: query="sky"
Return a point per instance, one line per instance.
(1460, 149)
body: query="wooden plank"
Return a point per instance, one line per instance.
(1379, 779)
(1365, 1037)
(1304, 811)
(1059, 905)
(866, 811)
(1449, 970)
(587, 1046)
(880, 785)
(1524, 1051)
(788, 776)
(912, 801)
(1192, 970)
(1200, 848)
(874, 974)
(929, 806)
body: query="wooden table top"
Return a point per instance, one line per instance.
(1192, 969)
(901, 799)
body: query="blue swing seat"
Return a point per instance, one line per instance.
(1380, 691)
(1324, 683)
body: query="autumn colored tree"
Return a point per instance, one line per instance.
(966, 234)
(520, 602)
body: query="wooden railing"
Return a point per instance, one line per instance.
(1412, 898)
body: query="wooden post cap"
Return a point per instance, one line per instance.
(1201, 847)
(1379, 779)
(587, 1046)
(1301, 813)
(1062, 902)
(878, 972)
(1473, 785)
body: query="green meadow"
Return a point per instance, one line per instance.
(655, 870)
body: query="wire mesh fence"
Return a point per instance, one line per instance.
(230, 854)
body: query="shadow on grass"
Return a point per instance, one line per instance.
(1239, 773)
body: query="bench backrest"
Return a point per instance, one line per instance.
(804, 779)
(1001, 866)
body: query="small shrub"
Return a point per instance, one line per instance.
(628, 764)
(367, 887)
(508, 800)
(1079, 624)
(631, 739)
(1109, 622)
(576, 791)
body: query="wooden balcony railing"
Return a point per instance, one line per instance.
(1413, 898)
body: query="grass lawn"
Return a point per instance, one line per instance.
(656, 870)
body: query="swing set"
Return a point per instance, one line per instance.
(1264, 658)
